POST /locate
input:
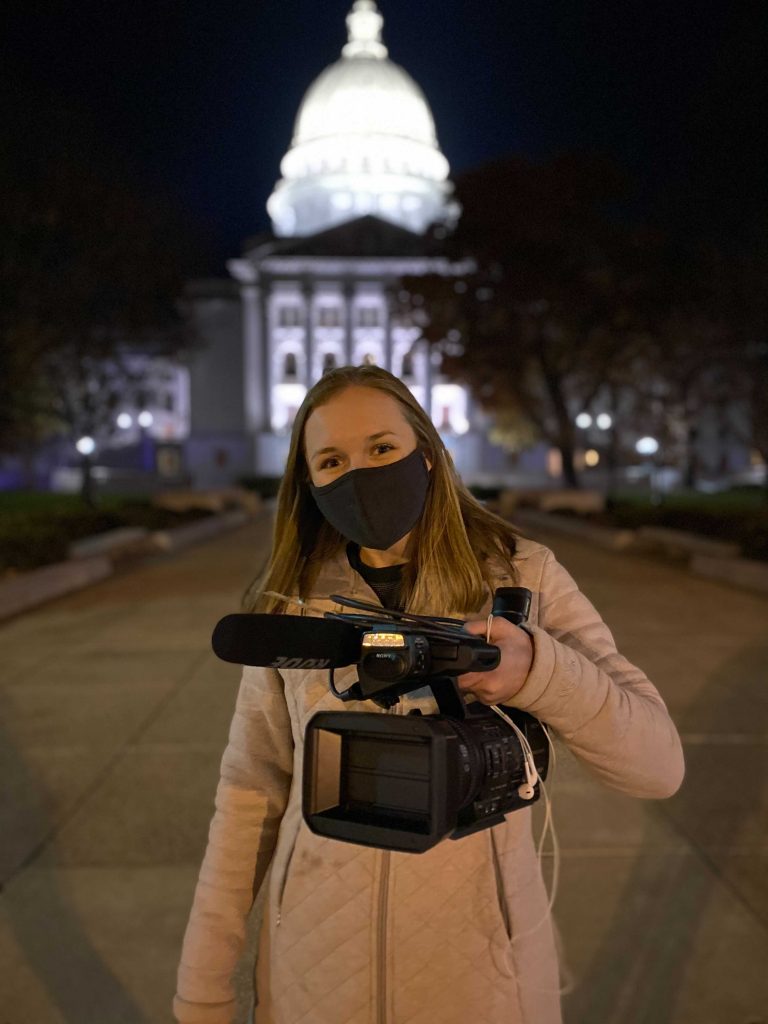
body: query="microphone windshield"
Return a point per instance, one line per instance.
(286, 641)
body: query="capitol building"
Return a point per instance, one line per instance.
(361, 183)
(362, 199)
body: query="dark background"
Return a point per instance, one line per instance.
(198, 97)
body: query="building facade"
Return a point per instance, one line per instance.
(362, 182)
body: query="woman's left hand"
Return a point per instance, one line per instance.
(501, 684)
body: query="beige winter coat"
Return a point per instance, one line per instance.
(355, 935)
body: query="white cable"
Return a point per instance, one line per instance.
(549, 824)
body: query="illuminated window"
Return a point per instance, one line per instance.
(329, 316)
(368, 316)
(290, 367)
(288, 316)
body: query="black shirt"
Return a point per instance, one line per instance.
(385, 582)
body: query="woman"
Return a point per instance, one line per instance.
(371, 507)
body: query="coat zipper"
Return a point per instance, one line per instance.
(284, 881)
(500, 887)
(381, 1016)
(381, 971)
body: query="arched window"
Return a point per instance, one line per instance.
(290, 367)
(329, 362)
(406, 369)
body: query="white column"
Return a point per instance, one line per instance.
(307, 295)
(349, 293)
(254, 384)
(252, 362)
(387, 295)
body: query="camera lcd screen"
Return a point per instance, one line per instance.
(390, 774)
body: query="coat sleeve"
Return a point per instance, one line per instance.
(251, 798)
(604, 708)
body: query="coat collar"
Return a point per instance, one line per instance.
(336, 576)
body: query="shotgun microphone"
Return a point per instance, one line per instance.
(286, 641)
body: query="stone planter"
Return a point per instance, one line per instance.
(603, 536)
(28, 589)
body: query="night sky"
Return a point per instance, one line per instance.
(203, 95)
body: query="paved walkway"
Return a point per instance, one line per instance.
(115, 713)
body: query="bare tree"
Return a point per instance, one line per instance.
(558, 300)
(91, 268)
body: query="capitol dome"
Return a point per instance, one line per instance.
(364, 143)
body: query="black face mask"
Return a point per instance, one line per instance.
(376, 507)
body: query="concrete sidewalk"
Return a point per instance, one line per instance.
(114, 717)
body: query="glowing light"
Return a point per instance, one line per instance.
(145, 419)
(647, 446)
(554, 462)
(449, 408)
(584, 420)
(418, 393)
(591, 457)
(604, 421)
(86, 446)
(124, 420)
(286, 399)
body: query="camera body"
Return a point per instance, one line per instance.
(397, 660)
(406, 782)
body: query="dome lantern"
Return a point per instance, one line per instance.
(364, 25)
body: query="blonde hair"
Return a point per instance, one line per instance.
(449, 547)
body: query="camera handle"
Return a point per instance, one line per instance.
(510, 603)
(446, 692)
(514, 605)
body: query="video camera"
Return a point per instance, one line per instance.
(400, 782)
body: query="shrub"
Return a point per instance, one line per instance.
(740, 515)
(266, 486)
(483, 493)
(37, 529)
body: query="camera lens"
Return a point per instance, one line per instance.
(386, 665)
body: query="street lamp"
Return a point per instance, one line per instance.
(145, 420)
(604, 421)
(125, 420)
(86, 445)
(584, 420)
(648, 446)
